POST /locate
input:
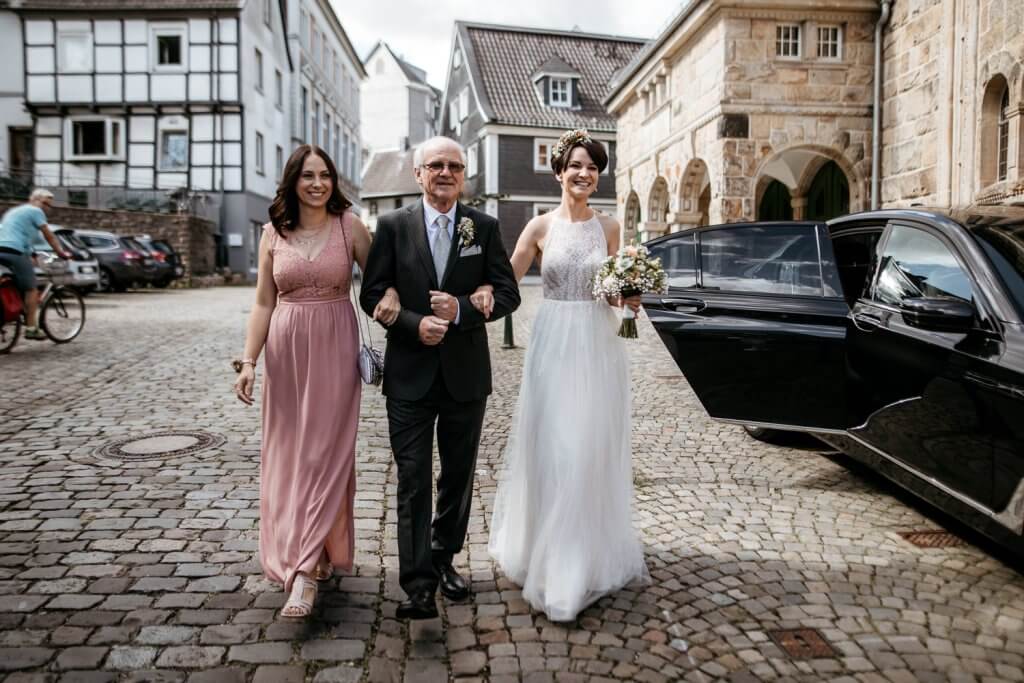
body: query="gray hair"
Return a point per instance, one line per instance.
(417, 155)
(40, 194)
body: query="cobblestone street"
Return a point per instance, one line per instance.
(117, 566)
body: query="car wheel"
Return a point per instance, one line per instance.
(106, 281)
(161, 284)
(763, 433)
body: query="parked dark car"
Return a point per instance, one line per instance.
(83, 270)
(169, 264)
(122, 263)
(895, 336)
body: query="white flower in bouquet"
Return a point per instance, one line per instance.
(628, 273)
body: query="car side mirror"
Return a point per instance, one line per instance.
(938, 314)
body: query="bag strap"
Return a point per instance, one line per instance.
(352, 291)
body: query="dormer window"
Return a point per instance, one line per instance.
(560, 92)
(557, 83)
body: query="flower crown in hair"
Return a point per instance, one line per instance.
(569, 140)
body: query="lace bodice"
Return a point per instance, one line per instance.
(326, 276)
(573, 253)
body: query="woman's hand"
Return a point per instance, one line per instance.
(388, 307)
(483, 300)
(632, 302)
(245, 383)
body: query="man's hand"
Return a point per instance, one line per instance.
(445, 306)
(388, 308)
(432, 330)
(483, 300)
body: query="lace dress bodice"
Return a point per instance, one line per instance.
(573, 253)
(326, 276)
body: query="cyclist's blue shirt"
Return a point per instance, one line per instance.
(19, 227)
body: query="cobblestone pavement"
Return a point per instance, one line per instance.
(117, 567)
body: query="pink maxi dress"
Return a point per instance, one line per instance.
(311, 394)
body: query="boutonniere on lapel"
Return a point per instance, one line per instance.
(467, 231)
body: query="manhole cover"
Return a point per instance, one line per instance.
(932, 539)
(802, 643)
(156, 446)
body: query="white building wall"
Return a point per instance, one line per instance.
(385, 103)
(12, 85)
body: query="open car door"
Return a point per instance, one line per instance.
(756, 321)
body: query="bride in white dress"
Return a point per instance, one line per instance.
(562, 525)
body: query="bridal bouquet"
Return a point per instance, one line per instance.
(628, 273)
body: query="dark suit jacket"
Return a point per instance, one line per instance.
(400, 257)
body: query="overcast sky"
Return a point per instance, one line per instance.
(421, 30)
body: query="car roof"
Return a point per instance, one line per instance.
(97, 233)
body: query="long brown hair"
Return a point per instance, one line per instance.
(284, 210)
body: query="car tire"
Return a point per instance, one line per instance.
(106, 283)
(162, 284)
(763, 433)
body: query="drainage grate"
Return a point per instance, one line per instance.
(167, 447)
(932, 539)
(802, 643)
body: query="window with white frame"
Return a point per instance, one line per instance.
(95, 138)
(260, 167)
(541, 209)
(278, 89)
(453, 115)
(542, 153)
(168, 47)
(304, 27)
(464, 104)
(74, 49)
(457, 58)
(278, 161)
(337, 143)
(559, 93)
(830, 42)
(472, 160)
(267, 11)
(314, 42)
(1003, 141)
(316, 123)
(258, 68)
(787, 41)
(326, 137)
(173, 150)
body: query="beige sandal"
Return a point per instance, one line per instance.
(300, 602)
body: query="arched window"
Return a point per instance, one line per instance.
(658, 206)
(1004, 134)
(632, 217)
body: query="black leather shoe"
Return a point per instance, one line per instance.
(420, 605)
(453, 586)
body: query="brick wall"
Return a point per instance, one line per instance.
(190, 236)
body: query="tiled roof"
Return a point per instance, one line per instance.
(389, 173)
(125, 5)
(555, 65)
(502, 60)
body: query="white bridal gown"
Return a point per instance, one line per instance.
(562, 514)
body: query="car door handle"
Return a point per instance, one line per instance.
(684, 302)
(866, 321)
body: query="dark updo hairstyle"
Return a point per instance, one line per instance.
(284, 210)
(572, 139)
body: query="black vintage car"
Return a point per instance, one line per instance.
(895, 336)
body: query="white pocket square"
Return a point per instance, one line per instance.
(470, 251)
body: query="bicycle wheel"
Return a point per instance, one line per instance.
(62, 315)
(9, 334)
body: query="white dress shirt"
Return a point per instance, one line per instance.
(430, 215)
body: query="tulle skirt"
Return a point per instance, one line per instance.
(562, 525)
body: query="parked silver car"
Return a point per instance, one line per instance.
(83, 269)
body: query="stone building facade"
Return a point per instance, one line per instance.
(742, 112)
(953, 96)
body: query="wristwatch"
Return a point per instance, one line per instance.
(237, 364)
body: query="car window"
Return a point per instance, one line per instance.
(98, 242)
(678, 258)
(1004, 246)
(73, 239)
(854, 251)
(162, 246)
(913, 264)
(770, 259)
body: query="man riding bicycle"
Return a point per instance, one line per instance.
(18, 229)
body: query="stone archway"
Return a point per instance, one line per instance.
(656, 222)
(632, 218)
(694, 199)
(798, 167)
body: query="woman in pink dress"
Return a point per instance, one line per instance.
(311, 391)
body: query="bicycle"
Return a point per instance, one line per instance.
(61, 309)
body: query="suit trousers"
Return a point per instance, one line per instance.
(421, 543)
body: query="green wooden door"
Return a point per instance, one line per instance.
(829, 195)
(775, 204)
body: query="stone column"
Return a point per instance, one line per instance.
(799, 205)
(683, 220)
(651, 229)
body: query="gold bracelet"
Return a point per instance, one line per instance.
(237, 364)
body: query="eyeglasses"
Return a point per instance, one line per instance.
(437, 166)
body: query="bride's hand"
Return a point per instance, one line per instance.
(633, 303)
(388, 307)
(483, 300)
